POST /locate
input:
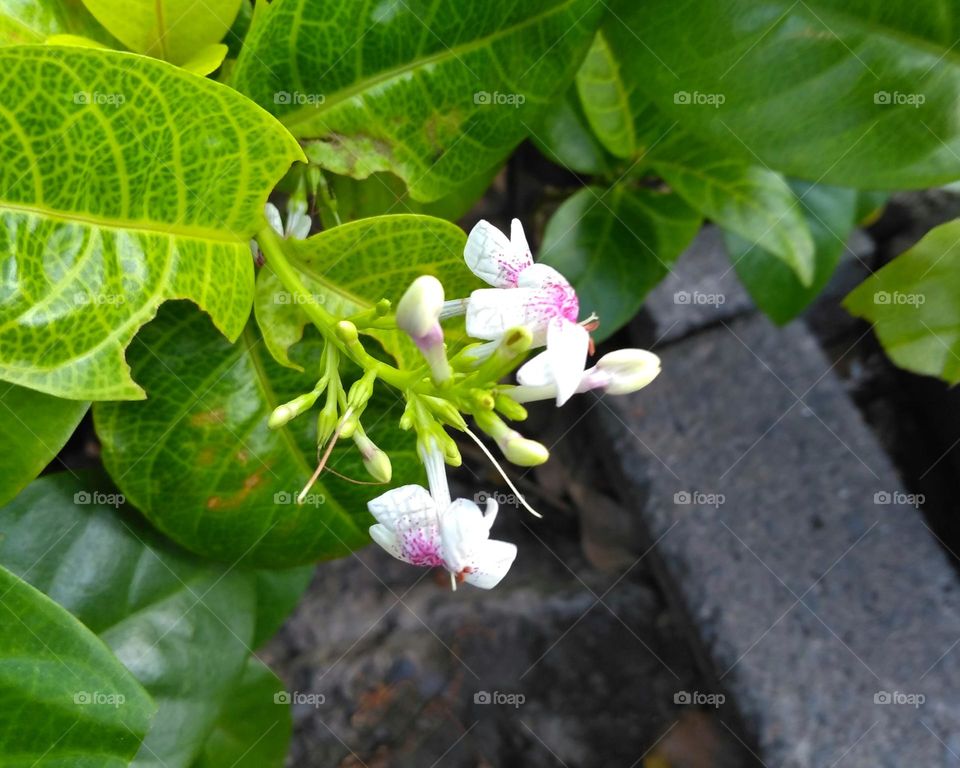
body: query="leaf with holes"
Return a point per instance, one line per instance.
(66, 700)
(435, 91)
(912, 303)
(198, 459)
(182, 626)
(616, 244)
(125, 182)
(351, 267)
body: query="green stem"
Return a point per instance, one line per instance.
(273, 247)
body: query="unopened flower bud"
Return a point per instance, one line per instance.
(347, 332)
(627, 370)
(522, 451)
(284, 413)
(376, 461)
(418, 311)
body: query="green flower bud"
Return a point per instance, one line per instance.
(284, 413)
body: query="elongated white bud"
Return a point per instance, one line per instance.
(625, 370)
(418, 313)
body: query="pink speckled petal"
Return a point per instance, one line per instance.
(495, 258)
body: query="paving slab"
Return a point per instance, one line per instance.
(826, 605)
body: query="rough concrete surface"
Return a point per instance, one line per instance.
(824, 602)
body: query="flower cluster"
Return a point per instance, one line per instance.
(528, 306)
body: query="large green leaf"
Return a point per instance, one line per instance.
(754, 202)
(123, 182)
(33, 21)
(831, 213)
(351, 267)
(33, 427)
(858, 93)
(198, 459)
(255, 725)
(616, 244)
(913, 305)
(434, 91)
(174, 30)
(66, 700)
(183, 626)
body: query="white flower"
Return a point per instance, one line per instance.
(527, 294)
(428, 529)
(298, 220)
(617, 373)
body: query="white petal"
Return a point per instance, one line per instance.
(567, 347)
(491, 312)
(400, 508)
(536, 372)
(273, 218)
(492, 257)
(540, 275)
(298, 224)
(387, 539)
(519, 242)
(463, 529)
(490, 563)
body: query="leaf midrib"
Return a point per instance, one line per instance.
(305, 114)
(131, 225)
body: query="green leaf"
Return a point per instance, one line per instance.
(198, 459)
(255, 726)
(146, 185)
(564, 137)
(33, 21)
(606, 99)
(616, 244)
(351, 267)
(753, 202)
(174, 30)
(33, 427)
(857, 93)
(278, 592)
(183, 626)
(913, 305)
(65, 698)
(831, 215)
(435, 91)
(383, 194)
